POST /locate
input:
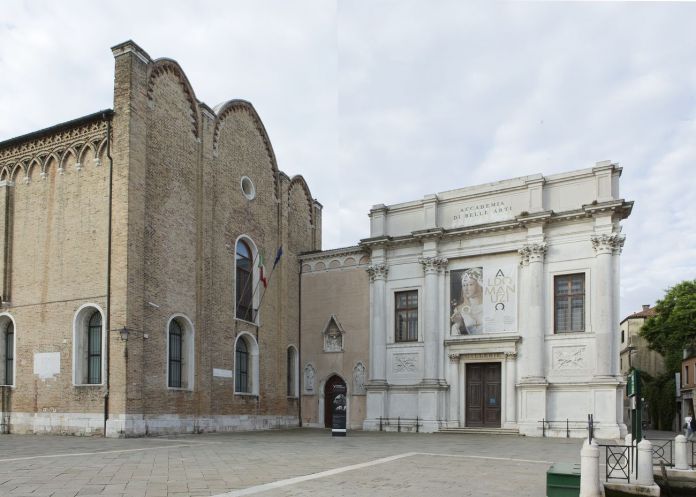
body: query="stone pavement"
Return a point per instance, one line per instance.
(280, 463)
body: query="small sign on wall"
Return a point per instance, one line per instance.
(47, 364)
(222, 373)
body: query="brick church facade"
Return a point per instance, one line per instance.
(133, 242)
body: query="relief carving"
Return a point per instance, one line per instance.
(568, 357)
(309, 375)
(359, 379)
(405, 363)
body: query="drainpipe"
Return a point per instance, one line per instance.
(107, 320)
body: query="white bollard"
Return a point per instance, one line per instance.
(680, 460)
(589, 470)
(645, 466)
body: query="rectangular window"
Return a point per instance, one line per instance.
(406, 316)
(686, 375)
(569, 303)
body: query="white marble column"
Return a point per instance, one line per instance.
(431, 329)
(453, 378)
(510, 391)
(534, 280)
(378, 331)
(603, 295)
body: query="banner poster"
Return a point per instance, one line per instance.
(483, 300)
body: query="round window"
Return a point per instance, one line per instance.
(248, 188)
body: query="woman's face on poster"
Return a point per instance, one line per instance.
(469, 287)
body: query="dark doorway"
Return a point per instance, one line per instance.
(329, 397)
(483, 394)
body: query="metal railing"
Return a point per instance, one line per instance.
(568, 425)
(662, 451)
(400, 423)
(618, 461)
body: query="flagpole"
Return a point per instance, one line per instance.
(279, 254)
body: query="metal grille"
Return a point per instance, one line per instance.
(94, 349)
(241, 376)
(175, 353)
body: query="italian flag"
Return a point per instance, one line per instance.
(262, 276)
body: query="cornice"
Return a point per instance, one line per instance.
(328, 254)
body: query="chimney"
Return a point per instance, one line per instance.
(646, 307)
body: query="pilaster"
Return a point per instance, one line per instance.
(532, 255)
(432, 266)
(605, 245)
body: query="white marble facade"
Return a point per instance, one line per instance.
(483, 262)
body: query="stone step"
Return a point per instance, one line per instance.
(479, 431)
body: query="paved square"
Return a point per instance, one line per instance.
(280, 463)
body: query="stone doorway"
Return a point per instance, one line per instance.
(483, 394)
(329, 398)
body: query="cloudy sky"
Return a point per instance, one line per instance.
(385, 101)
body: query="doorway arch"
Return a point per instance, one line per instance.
(329, 397)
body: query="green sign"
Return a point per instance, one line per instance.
(632, 387)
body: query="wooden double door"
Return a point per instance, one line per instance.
(483, 399)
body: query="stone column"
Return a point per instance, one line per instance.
(510, 391)
(454, 386)
(378, 331)
(534, 279)
(603, 296)
(431, 331)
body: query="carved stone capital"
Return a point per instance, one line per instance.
(532, 252)
(510, 356)
(433, 264)
(377, 271)
(454, 358)
(607, 244)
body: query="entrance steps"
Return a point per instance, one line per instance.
(481, 431)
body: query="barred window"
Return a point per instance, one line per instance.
(244, 282)
(94, 349)
(175, 354)
(241, 369)
(569, 303)
(406, 316)
(7, 352)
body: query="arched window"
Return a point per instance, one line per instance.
(244, 282)
(88, 346)
(292, 373)
(94, 348)
(180, 353)
(175, 354)
(241, 368)
(7, 341)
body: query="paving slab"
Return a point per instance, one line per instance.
(280, 463)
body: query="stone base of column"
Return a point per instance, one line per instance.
(376, 402)
(532, 406)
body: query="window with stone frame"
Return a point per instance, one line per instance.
(7, 340)
(244, 281)
(406, 316)
(569, 303)
(176, 354)
(241, 367)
